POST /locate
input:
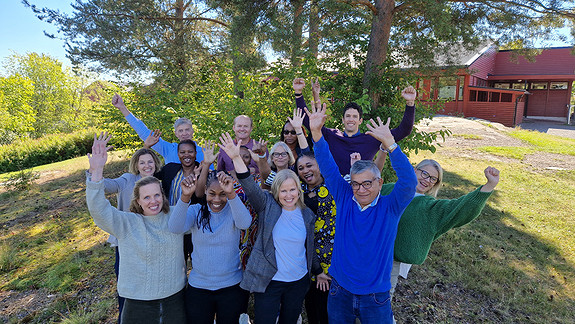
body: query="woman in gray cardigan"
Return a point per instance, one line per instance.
(283, 257)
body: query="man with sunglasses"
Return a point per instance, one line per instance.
(366, 226)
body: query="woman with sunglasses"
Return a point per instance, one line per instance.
(281, 155)
(294, 136)
(426, 218)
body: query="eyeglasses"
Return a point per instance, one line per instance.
(278, 154)
(429, 177)
(287, 132)
(367, 184)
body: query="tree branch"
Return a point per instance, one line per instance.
(366, 3)
(167, 18)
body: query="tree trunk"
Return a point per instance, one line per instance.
(297, 28)
(181, 70)
(314, 28)
(377, 48)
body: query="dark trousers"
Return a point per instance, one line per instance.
(166, 310)
(316, 305)
(116, 271)
(285, 297)
(226, 304)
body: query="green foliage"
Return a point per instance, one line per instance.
(28, 153)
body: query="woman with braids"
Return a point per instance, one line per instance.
(213, 283)
(152, 273)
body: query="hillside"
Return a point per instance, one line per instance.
(514, 264)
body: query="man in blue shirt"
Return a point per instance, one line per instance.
(366, 226)
(183, 129)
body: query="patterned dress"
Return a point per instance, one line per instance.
(247, 237)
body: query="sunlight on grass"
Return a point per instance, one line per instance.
(508, 151)
(546, 143)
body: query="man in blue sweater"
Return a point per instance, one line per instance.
(366, 226)
(183, 129)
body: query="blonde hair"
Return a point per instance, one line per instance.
(136, 157)
(288, 151)
(435, 189)
(135, 207)
(280, 178)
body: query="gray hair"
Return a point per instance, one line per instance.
(286, 148)
(365, 165)
(182, 121)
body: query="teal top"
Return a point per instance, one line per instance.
(425, 219)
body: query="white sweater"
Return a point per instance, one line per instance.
(152, 258)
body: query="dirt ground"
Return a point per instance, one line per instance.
(490, 134)
(467, 135)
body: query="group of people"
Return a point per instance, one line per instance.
(308, 222)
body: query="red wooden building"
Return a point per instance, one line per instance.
(504, 87)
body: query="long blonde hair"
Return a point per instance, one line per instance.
(135, 207)
(280, 178)
(435, 189)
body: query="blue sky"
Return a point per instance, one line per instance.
(22, 32)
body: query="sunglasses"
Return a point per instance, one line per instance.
(287, 132)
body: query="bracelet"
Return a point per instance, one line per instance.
(297, 94)
(263, 156)
(387, 150)
(298, 134)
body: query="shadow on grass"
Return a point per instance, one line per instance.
(491, 270)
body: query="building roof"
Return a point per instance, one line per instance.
(552, 63)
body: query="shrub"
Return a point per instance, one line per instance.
(49, 149)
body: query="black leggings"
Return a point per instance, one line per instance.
(166, 310)
(226, 304)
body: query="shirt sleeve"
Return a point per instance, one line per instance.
(116, 185)
(256, 196)
(404, 188)
(240, 214)
(406, 125)
(329, 169)
(182, 217)
(143, 132)
(105, 216)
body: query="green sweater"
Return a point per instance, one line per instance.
(425, 219)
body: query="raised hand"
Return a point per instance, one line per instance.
(492, 175)
(227, 144)
(227, 184)
(322, 281)
(298, 84)
(315, 88)
(297, 119)
(380, 131)
(409, 94)
(119, 103)
(99, 155)
(260, 147)
(152, 139)
(188, 186)
(317, 119)
(209, 155)
(354, 157)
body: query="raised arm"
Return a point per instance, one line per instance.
(181, 220)
(406, 125)
(118, 102)
(297, 123)
(152, 139)
(260, 149)
(240, 214)
(209, 158)
(315, 90)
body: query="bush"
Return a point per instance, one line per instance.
(29, 153)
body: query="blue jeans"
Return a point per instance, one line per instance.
(344, 307)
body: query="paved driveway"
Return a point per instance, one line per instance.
(549, 127)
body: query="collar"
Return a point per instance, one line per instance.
(354, 135)
(373, 203)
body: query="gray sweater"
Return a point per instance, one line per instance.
(124, 187)
(152, 257)
(216, 255)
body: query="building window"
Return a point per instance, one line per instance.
(559, 85)
(539, 86)
(501, 85)
(506, 97)
(519, 86)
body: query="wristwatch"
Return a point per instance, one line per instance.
(389, 149)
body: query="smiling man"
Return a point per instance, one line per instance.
(183, 129)
(351, 140)
(366, 226)
(242, 127)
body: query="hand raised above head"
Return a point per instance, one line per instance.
(315, 87)
(226, 182)
(188, 186)
(409, 94)
(99, 155)
(380, 131)
(492, 175)
(117, 101)
(152, 139)
(317, 117)
(354, 157)
(227, 144)
(298, 85)
(260, 147)
(209, 152)
(297, 119)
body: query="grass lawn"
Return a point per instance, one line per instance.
(514, 264)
